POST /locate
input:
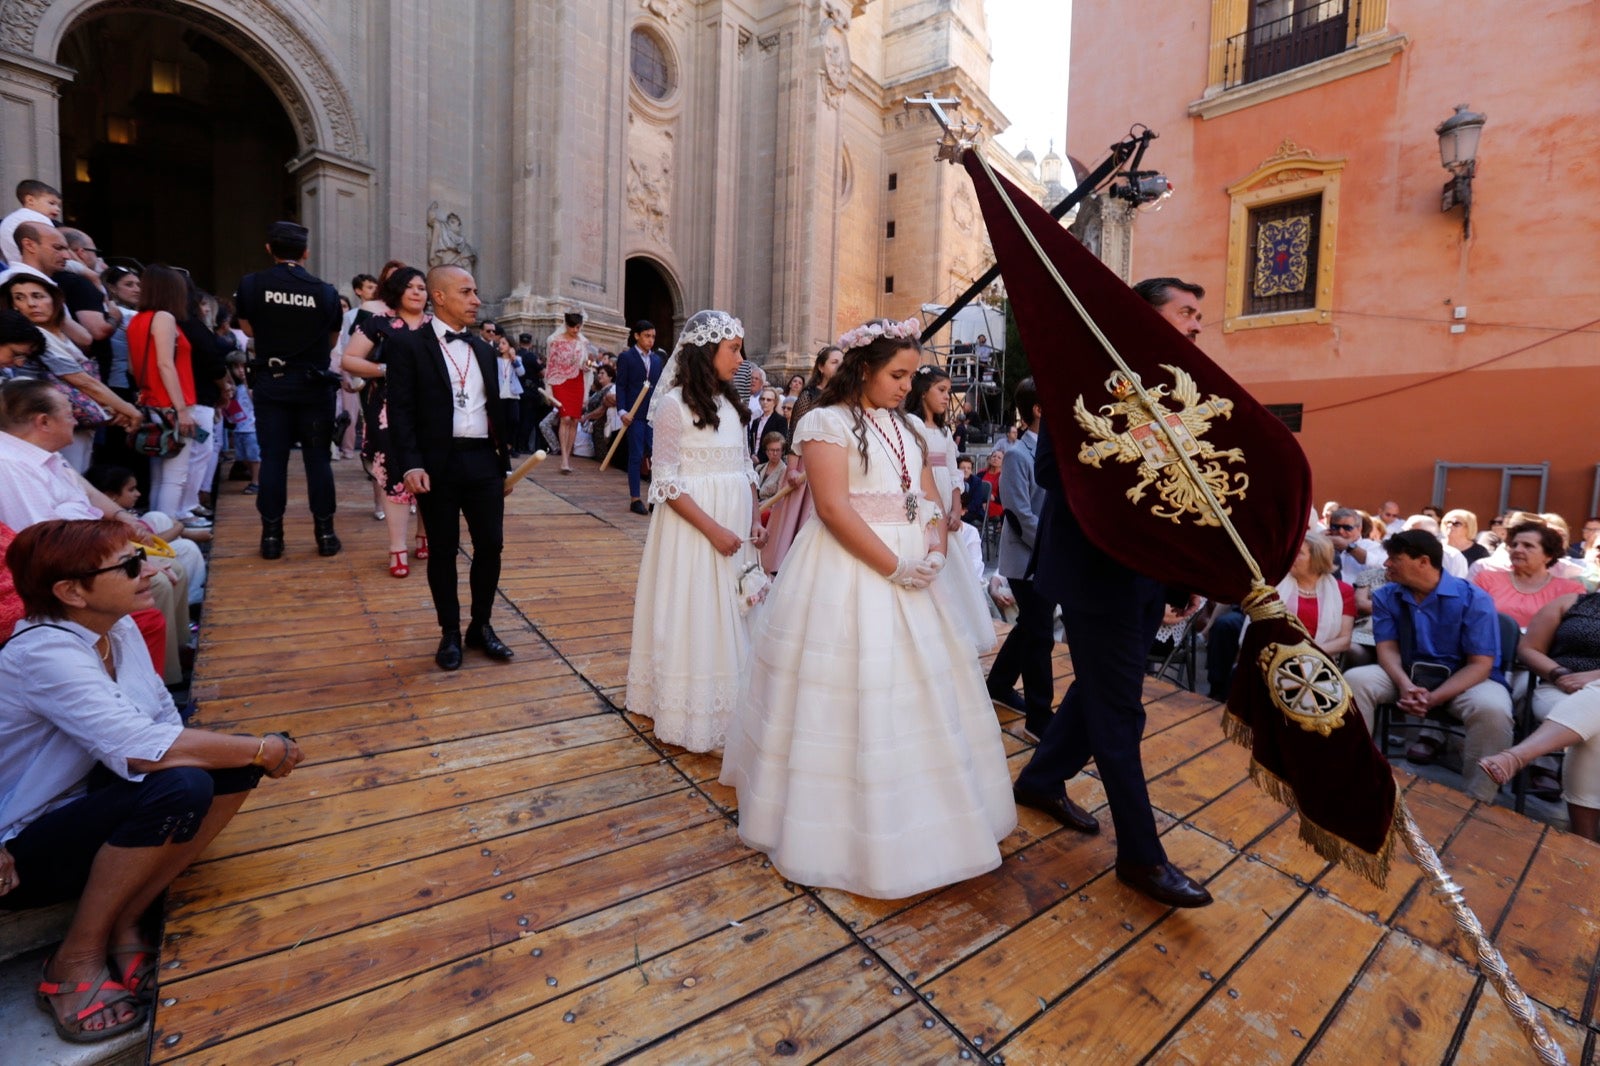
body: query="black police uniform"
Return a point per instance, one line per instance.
(293, 316)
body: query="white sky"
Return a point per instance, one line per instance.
(1029, 40)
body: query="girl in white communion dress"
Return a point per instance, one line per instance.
(866, 753)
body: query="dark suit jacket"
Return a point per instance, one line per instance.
(776, 424)
(633, 371)
(421, 406)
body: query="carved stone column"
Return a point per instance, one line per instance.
(335, 205)
(30, 90)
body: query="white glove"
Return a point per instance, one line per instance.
(935, 560)
(913, 574)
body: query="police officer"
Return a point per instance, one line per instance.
(294, 318)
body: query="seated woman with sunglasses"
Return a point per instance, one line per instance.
(105, 795)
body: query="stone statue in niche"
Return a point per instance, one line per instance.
(447, 244)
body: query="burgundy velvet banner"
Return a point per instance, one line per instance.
(1247, 454)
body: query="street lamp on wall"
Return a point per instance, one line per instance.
(1458, 153)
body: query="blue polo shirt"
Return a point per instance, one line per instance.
(1455, 620)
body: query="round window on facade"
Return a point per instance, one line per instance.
(649, 64)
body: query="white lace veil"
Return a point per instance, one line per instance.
(703, 327)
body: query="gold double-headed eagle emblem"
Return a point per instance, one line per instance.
(1145, 442)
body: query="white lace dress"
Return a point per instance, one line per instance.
(690, 638)
(961, 594)
(866, 755)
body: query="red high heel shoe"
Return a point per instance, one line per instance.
(398, 567)
(422, 546)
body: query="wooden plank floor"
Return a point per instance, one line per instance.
(496, 865)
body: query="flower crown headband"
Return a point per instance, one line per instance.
(861, 336)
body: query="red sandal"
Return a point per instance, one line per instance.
(398, 567)
(422, 546)
(137, 974)
(98, 995)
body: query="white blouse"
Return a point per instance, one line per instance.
(60, 713)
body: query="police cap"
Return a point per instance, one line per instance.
(288, 233)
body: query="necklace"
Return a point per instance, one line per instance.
(897, 448)
(105, 653)
(461, 374)
(1536, 588)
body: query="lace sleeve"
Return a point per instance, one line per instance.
(823, 424)
(665, 460)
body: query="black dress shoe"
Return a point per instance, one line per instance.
(483, 638)
(1164, 883)
(1060, 808)
(1009, 698)
(449, 654)
(637, 507)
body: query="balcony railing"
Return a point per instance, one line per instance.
(1315, 31)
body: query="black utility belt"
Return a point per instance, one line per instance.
(278, 370)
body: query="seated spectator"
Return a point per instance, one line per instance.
(1438, 647)
(772, 471)
(976, 492)
(105, 795)
(1461, 533)
(121, 487)
(21, 341)
(1562, 648)
(1325, 605)
(37, 484)
(991, 476)
(600, 410)
(1522, 590)
(1564, 566)
(1591, 536)
(1355, 552)
(1455, 563)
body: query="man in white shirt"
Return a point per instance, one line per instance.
(38, 484)
(446, 433)
(1389, 515)
(1356, 553)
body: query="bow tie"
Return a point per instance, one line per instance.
(463, 335)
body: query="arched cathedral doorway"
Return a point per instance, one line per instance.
(172, 148)
(648, 293)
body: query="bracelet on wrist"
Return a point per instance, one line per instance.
(1557, 672)
(256, 761)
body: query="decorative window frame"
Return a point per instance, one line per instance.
(1290, 173)
(669, 105)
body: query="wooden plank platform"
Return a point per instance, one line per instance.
(498, 865)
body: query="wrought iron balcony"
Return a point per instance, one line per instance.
(1314, 31)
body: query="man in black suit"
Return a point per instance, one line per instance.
(445, 433)
(1110, 614)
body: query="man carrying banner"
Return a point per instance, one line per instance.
(1110, 615)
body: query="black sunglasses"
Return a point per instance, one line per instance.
(132, 566)
(1342, 525)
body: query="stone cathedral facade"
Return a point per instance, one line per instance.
(621, 157)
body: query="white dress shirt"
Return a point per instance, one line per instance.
(36, 485)
(473, 419)
(60, 713)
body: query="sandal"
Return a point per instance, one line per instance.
(97, 995)
(398, 567)
(138, 974)
(422, 546)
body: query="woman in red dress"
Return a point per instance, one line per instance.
(566, 352)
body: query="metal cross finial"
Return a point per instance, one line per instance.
(958, 136)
